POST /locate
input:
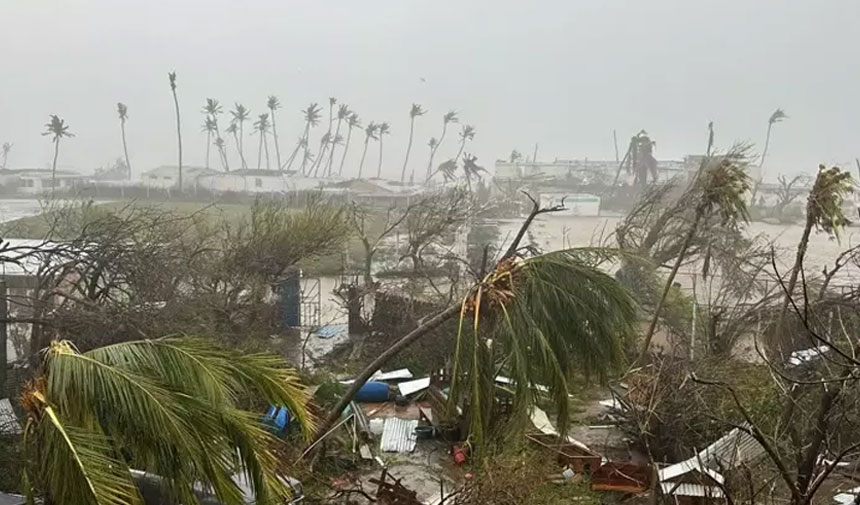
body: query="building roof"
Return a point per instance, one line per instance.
(174, 170)
(685, 467)
(685, 489)
(732, 449)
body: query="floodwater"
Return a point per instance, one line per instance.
(12, 209)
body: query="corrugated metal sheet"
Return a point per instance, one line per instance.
(9, 424)
(691, 490)
(734, 448)
(685, 467)
(398, 435)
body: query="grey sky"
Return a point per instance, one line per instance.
(563, 73)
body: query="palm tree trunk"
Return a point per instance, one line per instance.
(289, 162)
(429, 325)
(761, 163)
(260, 153)
(379, 165)
(333, 147)
(433, 152)
(208, 146)
(242, 144)
(408, 150)
(54, 165)
(266, 147)
(124, 150)
(277, 144)
(363, 154)
(342, 158)
(239, 148)
(795, 272)
(462, 146)
(178, 136)
(691, 234)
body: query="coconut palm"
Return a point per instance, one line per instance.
(172, 78)
(261, 126)
(209, 128)
(381, 130)
(328, 136)
(777, 116)
(471, 169)
(172, 407)
(57, 129)
(369, 133)
(448, 169)
(534, 319)
(343, 113)
(722, 186)
(414, 112)
(212, 109)
(122, 111)
(325, 140)
(233, 129)
(823, 211)
(353, 122)
(241, 114)
(312, 118)
(432, 143)
(273, 104)
(466, 134)
(7, 146)
(449, 117)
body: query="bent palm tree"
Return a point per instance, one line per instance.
(777, 116)
(241, 114)
(7, 146)
(824, 211)
(369, 133)
(343, 113)
(381, 130)
(209, 128)
(414, 112)
(261, 126)
(722, 187)
(172, 78)
(233, 129)
(273, 104)
(122, 111)
(167, 406)
(466, 134)
(449, 117)
(57, 129)
(545, 315)
(213, 109)
(471, 169)
(312, 118)
(352, 121)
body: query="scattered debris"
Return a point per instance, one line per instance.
(414, 386)
(9, 424)
(576, 456)
(394, 493)
(398, 435)
(848, 497)
(691, 478)
(622, 477)
(732, 449)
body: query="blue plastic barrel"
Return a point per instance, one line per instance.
(372, 392)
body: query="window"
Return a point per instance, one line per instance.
(258, 182)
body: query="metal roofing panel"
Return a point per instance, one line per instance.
(398, 435)
(847, 497)
(409, 387)
(8, 420)
(685, 467)
(691, 490)
(732, 449)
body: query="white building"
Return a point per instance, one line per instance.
(588, 171)
(167, 177)
(32, 182)
(257, 181)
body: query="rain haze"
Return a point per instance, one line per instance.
(561, 74)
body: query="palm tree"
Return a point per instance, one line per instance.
(777, 116)
(369, 133)
(467, 133)
(471, 169)
(57, 129)
(722, 186)
(325, 140)
(234, 130)
(6, 148)
(241, 114)
(382, 129)
(213, 109)
(327, 137)
(170, 407)
(343, 113)
(122, 111)
(432, 143)
(546, 316)
(824, 211)
(449, 117)
(172, 77)
(352, 121)
(209, 128)
(261, 126)
(414, 112)
(312, 118)
(273, 104)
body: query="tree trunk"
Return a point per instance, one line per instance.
(178, 136)
(266, 148)
(362, 378)
(239, 148)
(242, 144)
(125, 150)
(691, 234)
(363, 154)
(208, 147)
(408, 150)
(379, 166)
(277, 144)
(433, 152)
(460, 152)
(260, 152)
(333, 146)
(792, 280)
(761, 163)
(345, 149)
(54, 166)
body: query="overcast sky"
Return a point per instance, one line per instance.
(561, 73)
